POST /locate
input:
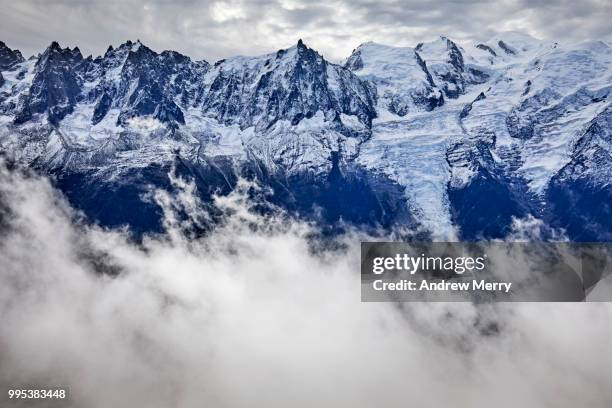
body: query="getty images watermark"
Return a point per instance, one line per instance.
(486, 272)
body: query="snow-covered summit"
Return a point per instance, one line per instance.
(446, 63)
(400, 76)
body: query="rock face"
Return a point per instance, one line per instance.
(443, 140)
(581, 192)
(137, 82)
(9, 58)
(132, 79)
(55, 86)
(291, 85)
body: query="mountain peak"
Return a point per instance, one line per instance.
(55, 49)
(368, 44)
(296, 52)
(9, 57)
(129, 49)
(131, 45)
(295, 116)
(302, 47)
(512, 42)
(440, 44)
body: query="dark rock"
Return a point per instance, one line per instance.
(102, 108)
(507, 49)
(292, 86)
(55, 86)
(467, 108)
(8, 57)
(486, 48)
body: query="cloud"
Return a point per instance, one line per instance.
(217, 29)
(250, 315)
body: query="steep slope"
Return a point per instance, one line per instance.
(55, 86)
(401, 78)
(529, 119)
(292, 85)
(8, 57)
(498, 141)
(290, 110)
(446, 64)
(581, 192)
(290, 119)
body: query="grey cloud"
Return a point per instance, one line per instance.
(222, 28)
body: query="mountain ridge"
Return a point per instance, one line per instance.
(422, 137)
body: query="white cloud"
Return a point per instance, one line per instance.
(249, 316)
(222, 11)
(144, 124)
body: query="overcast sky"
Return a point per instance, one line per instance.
(216, 29)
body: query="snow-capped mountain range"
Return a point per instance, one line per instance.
(452, 141)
